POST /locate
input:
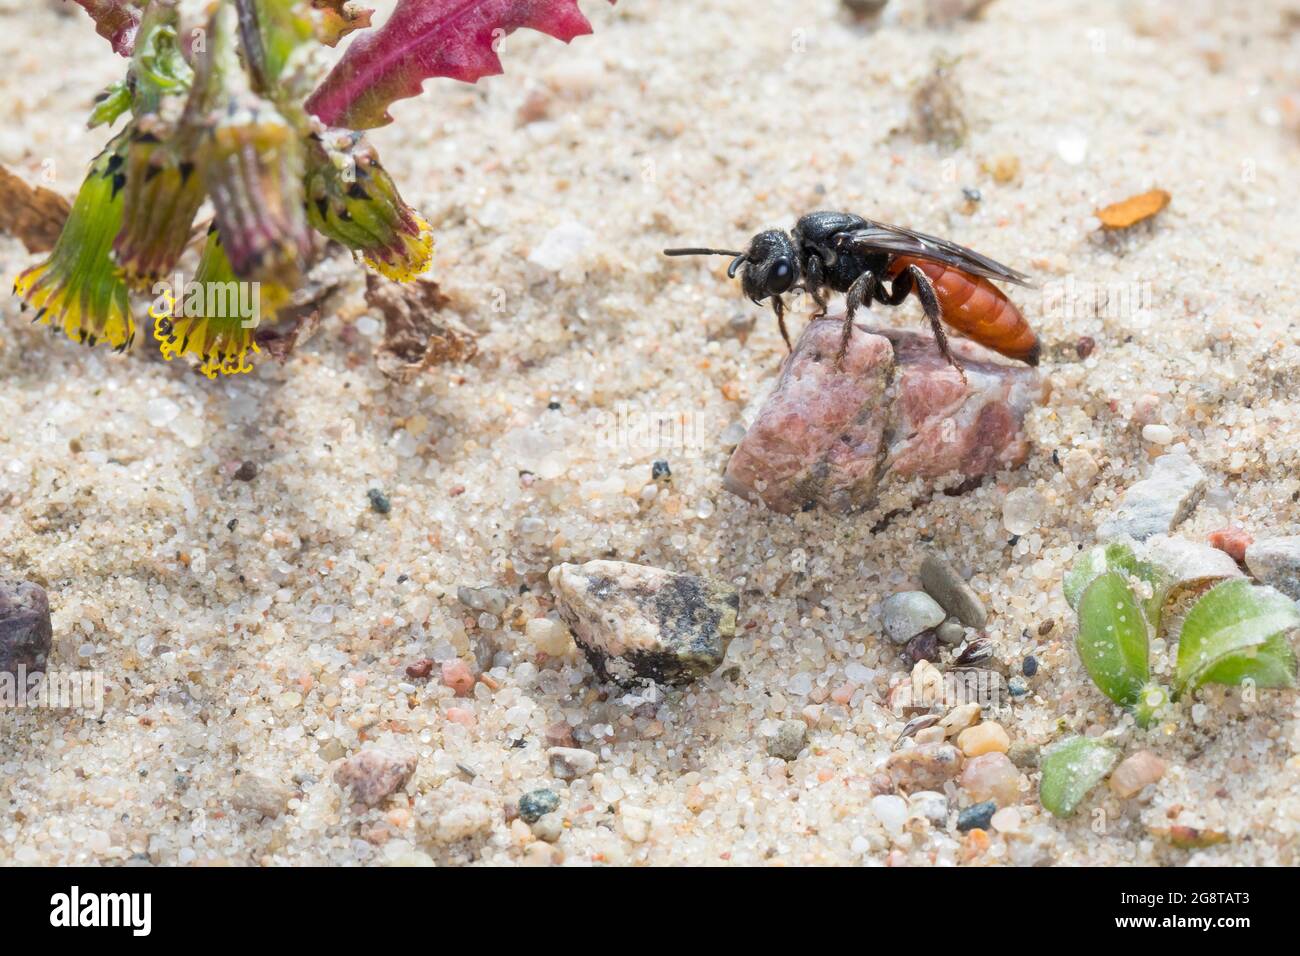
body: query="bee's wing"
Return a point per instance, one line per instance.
(882, 237)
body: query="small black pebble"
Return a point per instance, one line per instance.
(972, 194)
(553, 406)
(231, 524)
(403, 578)
(1030, 666)
(247, 471)
(660, 470)
(379, 501)
(976, 816)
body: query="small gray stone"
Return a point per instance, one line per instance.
(25, 631)
(951, 632)
(929, 805)
(261, 793)
(636, 623)
(788, 740)
(1276, 562)
(908, 613)
(492, 600)
(549, 827)
(1190, 563)
(1158, 503)
(942, 582)
(569, 763)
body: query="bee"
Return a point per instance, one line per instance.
(876, 262)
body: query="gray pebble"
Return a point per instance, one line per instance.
(1157, 504)
(950, 632)
(908, 613)
(788, 740)
(25, 630)
(261, 793)
(942, 582)
(929, 805)
(549, 828)
(1276, 562)
(636, 623)
(569, 763)
(492, 600)
(1024, 755)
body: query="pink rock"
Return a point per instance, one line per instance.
(829, 438)
(374, 774)
(456, 675)
(459, 715)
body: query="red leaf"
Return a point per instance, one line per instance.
(115, 20)
(428, 38)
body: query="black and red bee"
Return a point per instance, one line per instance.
(841, 252)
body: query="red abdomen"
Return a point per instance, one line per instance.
(977, 309)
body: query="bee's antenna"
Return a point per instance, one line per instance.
(731, 269)
(702, 252)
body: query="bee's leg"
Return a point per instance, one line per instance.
(859, 294)
(814, 283)
(930, 305)
(779, 308)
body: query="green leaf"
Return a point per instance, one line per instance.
(1117, 556)
(110, 104)
(1071, 768)
(1112, 641)
(1238, 631)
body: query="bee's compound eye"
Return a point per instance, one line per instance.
(781, 276)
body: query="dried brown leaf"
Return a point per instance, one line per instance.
(298, 321)
(1133, 210)
(32, 213)
(415, 337)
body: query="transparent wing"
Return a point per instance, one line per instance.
(882, 237)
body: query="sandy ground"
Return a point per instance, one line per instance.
(278, 647)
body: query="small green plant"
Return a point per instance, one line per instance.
(1236, 632)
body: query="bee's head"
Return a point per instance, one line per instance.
(771, 265)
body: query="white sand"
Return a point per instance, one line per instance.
(679, 122)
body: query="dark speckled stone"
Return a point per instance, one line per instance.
(636, 623)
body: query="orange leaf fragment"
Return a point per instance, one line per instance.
(1133, 210)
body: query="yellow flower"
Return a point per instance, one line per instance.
(352, 200)
(78, 287)
(216, 316)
